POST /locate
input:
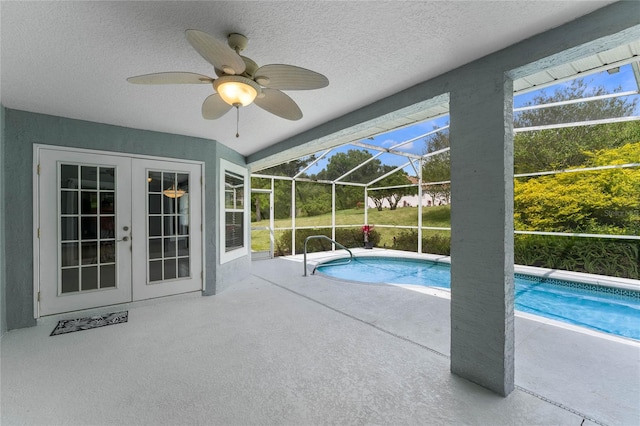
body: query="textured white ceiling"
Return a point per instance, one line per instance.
(71, 59)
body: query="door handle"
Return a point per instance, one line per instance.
(125, 238)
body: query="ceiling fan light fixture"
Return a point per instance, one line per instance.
(236, 90)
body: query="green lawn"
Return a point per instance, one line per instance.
(438, 216)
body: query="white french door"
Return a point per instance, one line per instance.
(115, 229)
(167, 228)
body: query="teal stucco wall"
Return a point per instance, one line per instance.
(3, 311)
(24, 129)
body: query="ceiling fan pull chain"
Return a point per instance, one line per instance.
(237, 122)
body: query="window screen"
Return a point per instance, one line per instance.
(234, 211)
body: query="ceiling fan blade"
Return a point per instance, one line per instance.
(171, 78)
(278, 103)
(289, 77)
(215, 52)
(214, 107)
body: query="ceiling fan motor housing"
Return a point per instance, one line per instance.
(237, 42)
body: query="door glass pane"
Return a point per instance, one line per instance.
(183, 247)
(107, 252)
(183, 267)
(107, 227)
(169, 202)
(90, 278)
(69, 228)
(87, 214)
(169, 269)
(168, 216)
(90, 253)
(155, 248)
(69, 254)
(169, 185)
(89, 176)
(183, 225)
(70, 280)
(155, 181)
(155, 226)
(155, 270)
(182, 182)
(169, 248)
(169, 225)
(107, 204)
(89, 228)
(69, 202)
(107, 276)
(107, 178)
(155, 204)
(89, 202)
(69, 176)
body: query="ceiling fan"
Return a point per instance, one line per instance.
(240, 81)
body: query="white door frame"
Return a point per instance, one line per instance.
(36, 206)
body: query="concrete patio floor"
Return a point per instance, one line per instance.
(278, 348)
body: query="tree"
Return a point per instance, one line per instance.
(604, 201)
(437, 168)
(289, 169)
(340, 163)
(556, 149)
(282, 189)
(257, 199)
(392, 195)
(313, 198)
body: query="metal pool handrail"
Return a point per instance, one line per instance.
(311, 237)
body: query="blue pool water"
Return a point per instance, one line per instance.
(565, 301)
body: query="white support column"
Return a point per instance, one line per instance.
(272, 220)
(420, 206)
(293, 217)
(366, 205)
(333, 214)
(482, 295)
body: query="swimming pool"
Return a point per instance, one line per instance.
(606, 309)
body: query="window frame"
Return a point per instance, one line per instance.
(243, 172)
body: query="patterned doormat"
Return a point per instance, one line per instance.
(69, 326)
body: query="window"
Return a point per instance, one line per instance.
(233, 209)
(234, 236)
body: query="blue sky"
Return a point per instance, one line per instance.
(623, 79)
